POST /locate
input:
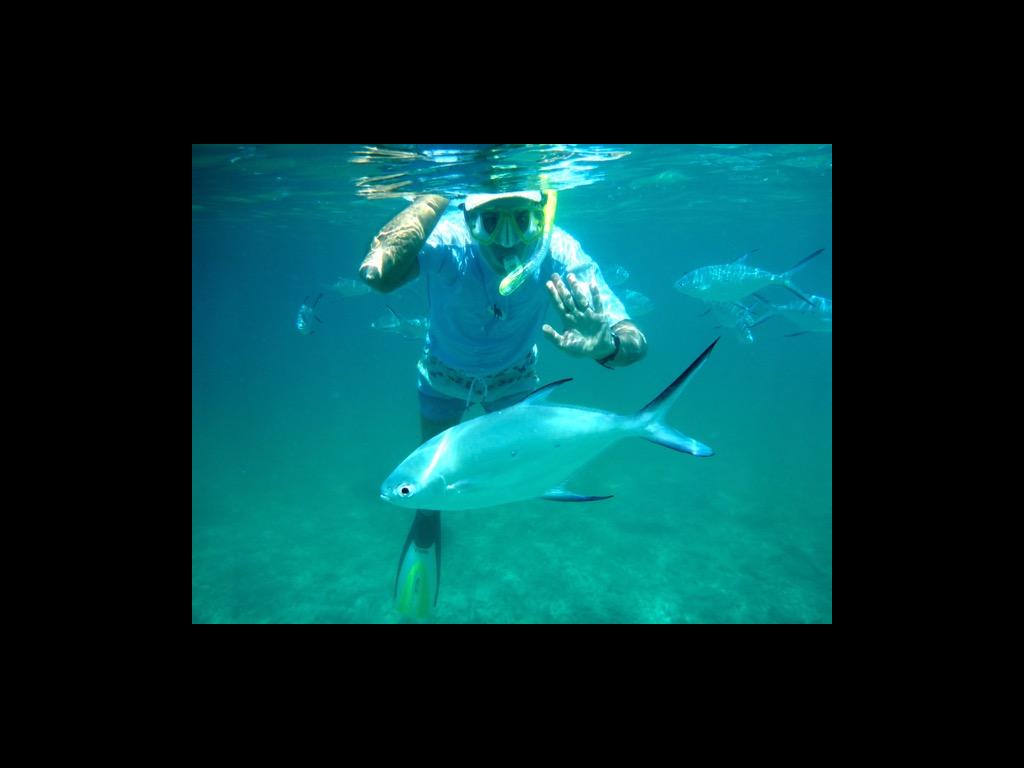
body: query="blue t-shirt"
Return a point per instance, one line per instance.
(474, 328)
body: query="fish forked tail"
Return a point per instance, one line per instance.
(650, 419)
(787, 276)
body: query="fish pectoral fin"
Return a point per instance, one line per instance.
(559, 494)
(459, 486)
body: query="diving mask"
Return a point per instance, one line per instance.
(510, 221)
(506, 226)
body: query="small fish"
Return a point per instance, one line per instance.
(304, 322)
(346, 287)
(636, 303)
(813, 317)
(528, 450)
(388, 323)
(406, 327)
(615, 275)
(740, 317)
(734, 281)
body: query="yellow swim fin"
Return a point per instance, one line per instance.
(418, 581)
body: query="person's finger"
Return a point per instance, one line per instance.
(572, 342)
(595, 299)
(554, 336)
(567, 300)
(579, 294)
(556, 297)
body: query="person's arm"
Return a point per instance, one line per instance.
(589, 331)
(392, 260)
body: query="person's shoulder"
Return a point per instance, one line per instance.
(566, 249)
(450, 232)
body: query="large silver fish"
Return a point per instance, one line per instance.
(732, 282)
(527, 451)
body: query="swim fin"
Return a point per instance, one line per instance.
(418, 581)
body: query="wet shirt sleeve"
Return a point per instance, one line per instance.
(570, 258)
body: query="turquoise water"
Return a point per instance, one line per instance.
(292, 435)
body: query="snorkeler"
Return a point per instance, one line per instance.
(492, 268)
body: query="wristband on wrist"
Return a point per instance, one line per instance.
(618, 345)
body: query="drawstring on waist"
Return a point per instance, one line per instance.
(472, 386)
(452, 382)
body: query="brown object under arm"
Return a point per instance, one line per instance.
(393, 251)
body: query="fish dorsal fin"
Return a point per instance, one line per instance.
(743, 258)
(539, 395)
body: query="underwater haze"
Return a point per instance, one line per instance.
(293, 433)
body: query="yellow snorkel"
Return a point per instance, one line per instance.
(518, 276)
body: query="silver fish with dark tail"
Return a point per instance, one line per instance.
(527, 451)
(736, 280)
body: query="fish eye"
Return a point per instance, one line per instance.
(404, 490)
